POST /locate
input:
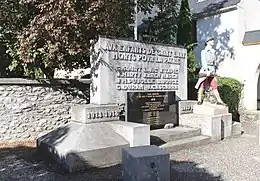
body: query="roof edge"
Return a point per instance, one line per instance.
(251, 38)
(211, 13)
(251, 43)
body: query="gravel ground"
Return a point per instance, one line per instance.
(235, 159)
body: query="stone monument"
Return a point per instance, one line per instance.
(120, 66)
(117, 67)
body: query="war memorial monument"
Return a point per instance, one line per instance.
(138, 97)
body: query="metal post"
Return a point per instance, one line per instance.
(135, 26)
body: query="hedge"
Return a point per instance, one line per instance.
(230, 92)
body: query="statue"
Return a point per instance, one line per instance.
(207, 74)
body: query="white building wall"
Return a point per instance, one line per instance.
(249, 56)
(224, 27)
(240, 62)
(250, 10)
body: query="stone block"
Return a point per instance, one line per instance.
(145, 163)
(226, 119)
(210, 109)
(79, 146)
(209, 125)
(226, 125)
(217, 127)
(93, 113)
(236, 129)
(226, 132)
(136, 134)
(186, 107)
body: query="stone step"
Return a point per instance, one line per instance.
(161, 136)
(136, 134)
(186, 143)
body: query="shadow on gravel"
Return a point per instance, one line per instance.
(24, 163)
(191, 171)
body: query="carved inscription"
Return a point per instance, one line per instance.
(186, 107)
(146, 67)
(129, 78)
(153, 118)
(103, 114)
(150, 107)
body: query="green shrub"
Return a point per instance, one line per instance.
(230, 92)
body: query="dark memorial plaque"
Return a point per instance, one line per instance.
(153, 108)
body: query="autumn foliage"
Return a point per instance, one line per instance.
(59, 35)
(38, 36)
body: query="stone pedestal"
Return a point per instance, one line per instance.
(94, 140)
(210, 109)
(136, 134)
(213, 120)
(79, 146)
(145, 163)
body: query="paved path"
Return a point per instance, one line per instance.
(236, 159)
(233, 159)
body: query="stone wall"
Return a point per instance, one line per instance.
(29, 108)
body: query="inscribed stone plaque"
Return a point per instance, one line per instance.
(186, 107)
(92, 113)
(118, 66)
(153, 108)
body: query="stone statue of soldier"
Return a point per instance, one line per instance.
(207, 72)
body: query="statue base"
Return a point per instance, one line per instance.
(213, 120)
(210, 109)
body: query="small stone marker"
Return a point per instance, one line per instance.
(145, 163)
(153, 108)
